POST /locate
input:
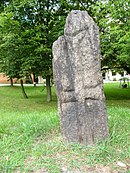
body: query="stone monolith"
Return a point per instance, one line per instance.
(78, 81)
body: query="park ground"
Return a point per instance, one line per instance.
(30, 138)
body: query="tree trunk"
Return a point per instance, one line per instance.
(31, 78)
(48, 87)
(34, 79)
(11, 81)
(23, 90)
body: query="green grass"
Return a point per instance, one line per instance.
(30, 139)
(116, 96)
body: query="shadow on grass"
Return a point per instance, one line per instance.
(114, 92)
(117, 96)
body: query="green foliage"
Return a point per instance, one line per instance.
(113, 20)
(27, 32)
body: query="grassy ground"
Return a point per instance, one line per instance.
(30, 139)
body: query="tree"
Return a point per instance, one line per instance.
(11, 48)
(113, 20)
(28, 30)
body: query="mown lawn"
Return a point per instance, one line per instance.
(30, 139)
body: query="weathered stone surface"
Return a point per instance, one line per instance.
(78, 80)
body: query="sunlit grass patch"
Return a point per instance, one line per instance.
(19, 133)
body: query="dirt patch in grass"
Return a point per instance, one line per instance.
(52, 155)
(86, 169)
(66, 167)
